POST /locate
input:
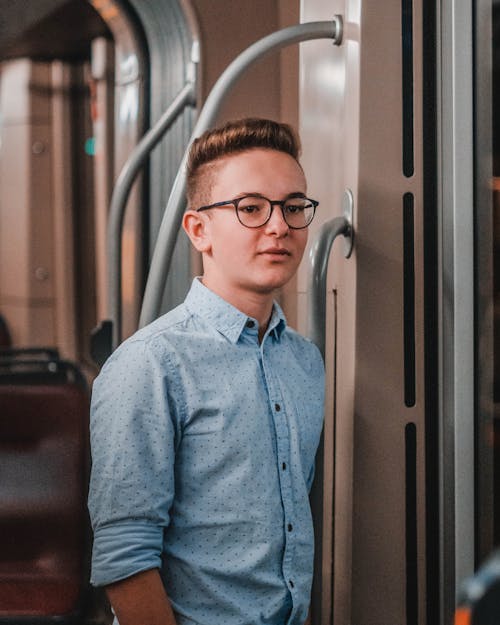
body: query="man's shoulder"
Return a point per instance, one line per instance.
(303, 347)
(295, 337)
(170, 323)
(153, 341)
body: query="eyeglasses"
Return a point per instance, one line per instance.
(253, 211)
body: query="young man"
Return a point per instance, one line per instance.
(205, 424)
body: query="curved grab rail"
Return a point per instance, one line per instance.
(319, 255)
(107, 335)
(121, 191)
(172, 218)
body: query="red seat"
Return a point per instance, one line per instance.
(43, 486)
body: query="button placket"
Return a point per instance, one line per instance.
(280, 420)
(283, 450)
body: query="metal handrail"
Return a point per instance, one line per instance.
(172, 218)
(319, 256)
(107, 335)
(121, 191)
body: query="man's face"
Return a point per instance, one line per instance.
(252, 260)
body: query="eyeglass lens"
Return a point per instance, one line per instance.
(255, 211)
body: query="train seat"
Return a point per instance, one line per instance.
(44, 473)
(16, 371)
(9, 354)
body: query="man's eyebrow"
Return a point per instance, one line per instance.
(249, 193)
(255, 194)
(296, 194)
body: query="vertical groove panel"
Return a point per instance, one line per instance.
(409, 298)
(407, 85)
(411, 525)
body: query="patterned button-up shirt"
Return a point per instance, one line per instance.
(203, 445)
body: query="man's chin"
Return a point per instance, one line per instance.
(270, 286)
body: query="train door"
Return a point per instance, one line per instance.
(365, 131)
(411, 478)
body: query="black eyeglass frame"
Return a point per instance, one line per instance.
(273, 203)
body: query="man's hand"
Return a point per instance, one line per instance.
(141, 600)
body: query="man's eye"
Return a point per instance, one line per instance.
(249, 208)
(295, 208)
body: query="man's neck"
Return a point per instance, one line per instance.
(259, 306)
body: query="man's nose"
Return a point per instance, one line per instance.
(277, 224)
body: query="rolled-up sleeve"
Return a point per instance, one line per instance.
(133, 435)
(123, 549)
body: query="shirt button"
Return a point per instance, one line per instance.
(283, 466)
(250, 323)
(277, 407)
(291, 583)
(290, 527)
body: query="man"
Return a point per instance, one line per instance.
(205, 424)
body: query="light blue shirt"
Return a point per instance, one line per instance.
(203, 445)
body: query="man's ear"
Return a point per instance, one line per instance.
(196, 226)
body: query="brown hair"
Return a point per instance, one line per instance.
(232, 138)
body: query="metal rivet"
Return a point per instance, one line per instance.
(38, 147)
(41, 274)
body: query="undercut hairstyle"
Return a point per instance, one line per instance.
(233, 137)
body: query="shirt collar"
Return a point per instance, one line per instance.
(223, 316)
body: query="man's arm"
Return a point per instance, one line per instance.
(141, 600)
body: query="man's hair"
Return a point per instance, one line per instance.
(232, 138)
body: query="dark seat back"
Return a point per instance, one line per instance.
(43, 486)
(28, 353)
(47, 371)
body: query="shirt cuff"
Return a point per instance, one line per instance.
(124, 549)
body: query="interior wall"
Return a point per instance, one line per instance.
(227, 29)
(288, 15)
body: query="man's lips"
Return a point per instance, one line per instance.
(276, 251)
